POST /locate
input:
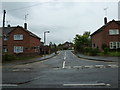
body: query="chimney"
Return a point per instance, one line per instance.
(25, 25)
(105, 20)
(8, 25)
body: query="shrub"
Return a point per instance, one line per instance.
(94, 51)
(7, 57)
(106, 50)
(87, 50)
(91, 51)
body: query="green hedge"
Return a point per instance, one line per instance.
(91, 51)
(7, 57)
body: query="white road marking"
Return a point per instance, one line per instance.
(99, 66)
(12, 85)
(89, 66)
(16, 70)
(113, 65)
(63, 64)
(92, 84)
(77, 66)
(64, 57)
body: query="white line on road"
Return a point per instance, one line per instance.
(99, 66)
(64, 57)
(25, 69)
(63, 64)
(12, 85)
(92, 84)
(113, 65)
(88, 66)
(15, 70)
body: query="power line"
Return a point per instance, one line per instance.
(23, 7)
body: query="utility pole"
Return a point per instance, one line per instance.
(4, 12)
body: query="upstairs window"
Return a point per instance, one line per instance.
(18, 37)
(113, 32)
(5, 38)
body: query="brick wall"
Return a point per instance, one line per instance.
(103, 37)
(28, 42)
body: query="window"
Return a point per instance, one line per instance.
(113, 32)
(5, 38)
(114, 45)
(18, 37)
(93, 45)
(5, 50)
(18, 49)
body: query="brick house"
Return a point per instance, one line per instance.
(68, 45)
(44, 49)
(108, 35)
(18, 40)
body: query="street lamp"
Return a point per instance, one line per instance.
(45, 36)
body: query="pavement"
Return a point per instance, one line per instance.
(99, 58)
(96, 58)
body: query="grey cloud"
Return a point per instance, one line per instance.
(62, 19)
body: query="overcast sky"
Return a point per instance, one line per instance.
(63, 19)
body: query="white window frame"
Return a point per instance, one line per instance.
(5, 50)
(5, 38)
(18, 49)
(18, 37)
(114, 32)
(114, 45)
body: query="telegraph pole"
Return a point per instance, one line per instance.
(4, 12)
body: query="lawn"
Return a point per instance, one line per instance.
(116, 54)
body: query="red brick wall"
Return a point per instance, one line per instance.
(27, 42)
(33, 43)
(103, 37)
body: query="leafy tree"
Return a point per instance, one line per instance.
(82, 41)
(50, 44)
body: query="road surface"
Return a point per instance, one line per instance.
(62, 71)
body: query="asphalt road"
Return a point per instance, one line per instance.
(62, 71)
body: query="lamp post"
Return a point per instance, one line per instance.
(45, 36)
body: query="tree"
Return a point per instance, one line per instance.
(50, 44)
(82, 41)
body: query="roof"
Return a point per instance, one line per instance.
(8, 30)
(101, 28)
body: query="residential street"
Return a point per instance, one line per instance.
(64, 70)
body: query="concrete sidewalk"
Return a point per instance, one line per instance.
(99, 58)
(12, 63)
